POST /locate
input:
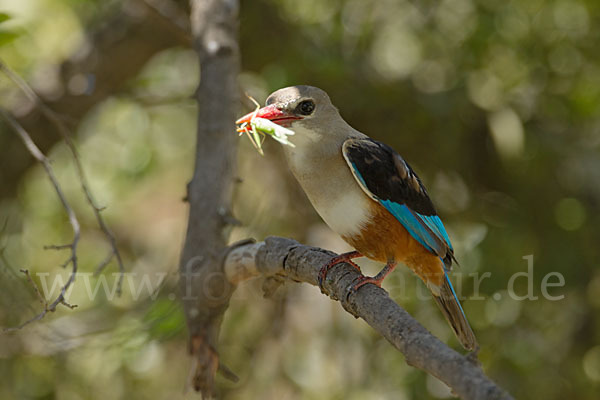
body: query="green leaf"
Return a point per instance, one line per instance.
(4, 17)
(8, 36)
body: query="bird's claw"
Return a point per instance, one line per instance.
(323, 274)
(321, 278)
(360, 282)
(347, 258)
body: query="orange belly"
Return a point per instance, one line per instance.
(385, 239)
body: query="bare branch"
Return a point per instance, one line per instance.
(57, 246)
(287, 258)
(38, 155)
(38, 294)
(214, 27)
(113, 52)
(115, 56)
(66, 135)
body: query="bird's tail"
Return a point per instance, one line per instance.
(450, 306)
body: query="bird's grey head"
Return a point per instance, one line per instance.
(308, 111)
(305, 106)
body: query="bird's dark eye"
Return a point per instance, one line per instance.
(305, 107)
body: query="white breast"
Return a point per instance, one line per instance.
(345, 212)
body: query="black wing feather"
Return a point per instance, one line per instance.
(388, 176)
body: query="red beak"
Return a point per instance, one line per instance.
(271, 113)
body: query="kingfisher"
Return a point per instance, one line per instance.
(368, 194)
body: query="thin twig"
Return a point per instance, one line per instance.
(103, 264)
(58, 246)
(38, 155)
(65, 133)
(41, 298)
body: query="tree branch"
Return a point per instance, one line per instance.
(55, 119)
(114, 53)
(214, 27)
(279, 257)
(42, 159)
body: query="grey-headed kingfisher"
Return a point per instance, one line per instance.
(368, 194)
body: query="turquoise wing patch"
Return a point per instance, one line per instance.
(428, 230)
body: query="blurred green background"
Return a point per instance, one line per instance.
(495, 104)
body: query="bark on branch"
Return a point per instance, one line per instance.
(214, 26)
(279, 257)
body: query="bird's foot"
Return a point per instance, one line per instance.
(342, 258)
(375, 280)
(360, 282)
(363, 280)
